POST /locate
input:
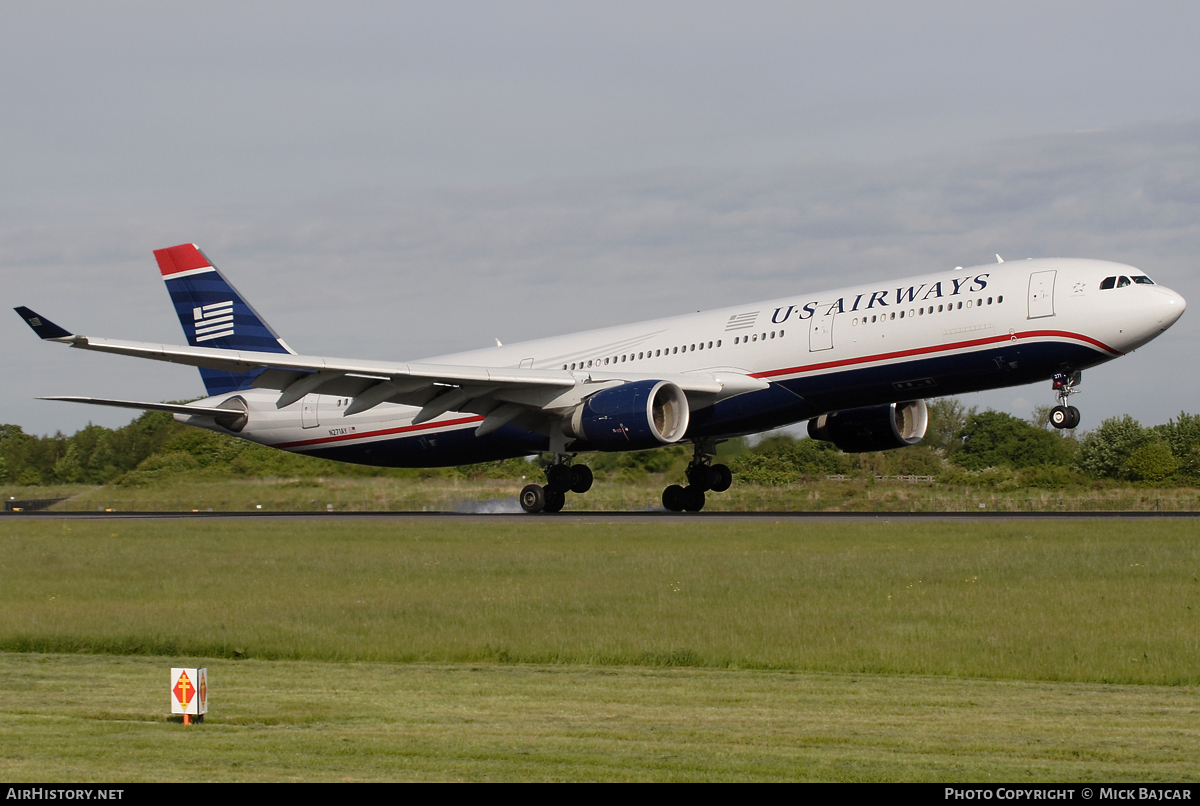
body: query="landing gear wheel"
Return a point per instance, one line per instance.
(673, 498)
(581, 478)
(1062, 415)
(554, 501)
(724, 478)
(702, 477)
(533, 498)
(558, 478)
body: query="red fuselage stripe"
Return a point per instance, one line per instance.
(937, 348)
(406, 429)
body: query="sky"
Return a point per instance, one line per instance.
(394, 180)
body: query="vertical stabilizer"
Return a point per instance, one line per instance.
(214, 314)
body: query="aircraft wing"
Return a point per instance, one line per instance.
(501, 394)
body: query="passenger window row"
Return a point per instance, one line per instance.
(944, 308)
(624, 357)
(754, 337)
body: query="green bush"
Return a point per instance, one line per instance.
(785, 460)
(947, 419)
(1105, 452)
(660, 460)
(1183, 437)
(1048, 477)
(996, 439)
(1153, 463)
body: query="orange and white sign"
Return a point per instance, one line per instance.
(189, 691)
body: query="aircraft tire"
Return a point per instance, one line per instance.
(558, 478)
(533, 498)
(672, 498)
(702, 477)
(1059, 417)
(554, 501)
(1073, 417)
(693, 498)
(724, 478)
(581, 478)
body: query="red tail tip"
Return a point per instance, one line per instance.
(184, 257)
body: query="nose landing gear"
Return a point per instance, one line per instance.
(561, 478)
(702, 476)
(1062, 415)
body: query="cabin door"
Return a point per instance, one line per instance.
(820, 333)
(1041, 294)
(308, 411)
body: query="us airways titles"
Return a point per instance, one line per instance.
(923, 292)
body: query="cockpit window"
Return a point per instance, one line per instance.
(1121, 282)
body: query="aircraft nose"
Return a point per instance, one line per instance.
(1170, 306)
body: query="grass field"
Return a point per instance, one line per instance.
(561, 649)
(96, 718)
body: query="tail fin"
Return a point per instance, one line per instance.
(214, 314)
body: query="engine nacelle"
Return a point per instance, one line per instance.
(874, 428)
(630, 417)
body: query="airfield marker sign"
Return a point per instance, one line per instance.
(189, 693)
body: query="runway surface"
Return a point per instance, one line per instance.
(652, 516)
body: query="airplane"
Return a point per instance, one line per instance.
(856, 363)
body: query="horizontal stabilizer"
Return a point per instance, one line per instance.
(173, 408)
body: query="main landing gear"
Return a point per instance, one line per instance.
(1062, 415)
(702, 476)
(561, 478)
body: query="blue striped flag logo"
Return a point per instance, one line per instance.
(213, 321)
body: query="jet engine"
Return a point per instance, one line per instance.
(633, 416)
(873, 428)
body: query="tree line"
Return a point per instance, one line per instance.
(962, 445)
(967, 446)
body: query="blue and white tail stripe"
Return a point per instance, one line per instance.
(214, 314)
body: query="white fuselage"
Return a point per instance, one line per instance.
(946, 333)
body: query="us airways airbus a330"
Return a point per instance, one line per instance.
(856, 363)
